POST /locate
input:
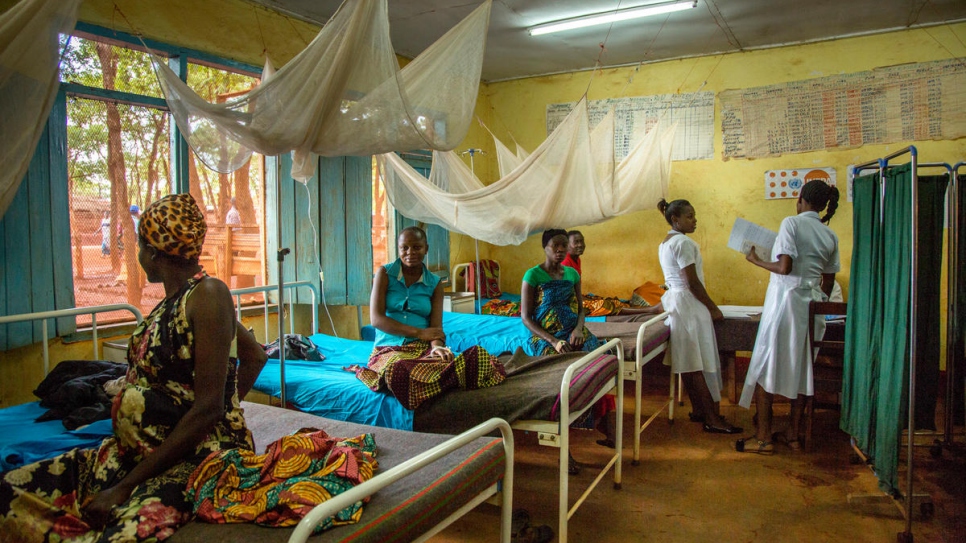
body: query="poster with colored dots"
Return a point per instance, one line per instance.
(788, 183)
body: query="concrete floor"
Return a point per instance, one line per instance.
(692, 486)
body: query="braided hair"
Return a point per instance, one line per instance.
(819, 194)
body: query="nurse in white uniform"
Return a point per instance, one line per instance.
(803, 264)
(694, 349)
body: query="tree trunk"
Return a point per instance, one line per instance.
(243, 195)
(116, 173)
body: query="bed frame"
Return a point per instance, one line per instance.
(557, 433)
(634, 371)
(551, 433)
(500, 492)
(464, 267)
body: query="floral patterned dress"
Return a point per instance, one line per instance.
(42, 501)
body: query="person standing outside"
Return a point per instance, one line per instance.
(233, 217)
(803, 263)
(105, 229)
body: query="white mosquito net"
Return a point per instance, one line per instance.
(29, 56)
(344, 94)
(570, 180)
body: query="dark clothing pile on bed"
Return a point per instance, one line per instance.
(74, 391)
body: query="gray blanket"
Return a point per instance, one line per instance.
(529, 392)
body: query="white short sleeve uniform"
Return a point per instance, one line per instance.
(781, 363)
(693, 344)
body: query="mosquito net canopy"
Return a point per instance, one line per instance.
(344, 94)
(571, 179)
(29, 55)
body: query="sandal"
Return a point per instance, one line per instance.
(781, 437)
(757, 446)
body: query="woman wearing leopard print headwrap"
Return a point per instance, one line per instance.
(179, 402)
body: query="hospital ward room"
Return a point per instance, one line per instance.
(463, 271)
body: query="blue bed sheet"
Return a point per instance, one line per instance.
(23, 441)
(495, 333)
(327, 390)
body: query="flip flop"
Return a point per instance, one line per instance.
(756, 446)
(781, 437)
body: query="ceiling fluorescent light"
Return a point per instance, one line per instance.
(612, 16)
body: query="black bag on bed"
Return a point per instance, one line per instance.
(297, 347)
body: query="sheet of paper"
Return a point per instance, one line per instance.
(746, 234)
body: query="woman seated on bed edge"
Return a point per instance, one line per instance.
(551, 307)
(179, 402)
(406, 309)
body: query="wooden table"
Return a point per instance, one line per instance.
(737, 333)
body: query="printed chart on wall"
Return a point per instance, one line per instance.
(788, 183)
(694, 113)
(923, 101)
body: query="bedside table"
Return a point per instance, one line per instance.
(459, 302)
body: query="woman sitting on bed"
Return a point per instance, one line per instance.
(406, 308)
(551, 304)
(179, 403)
(552, 309)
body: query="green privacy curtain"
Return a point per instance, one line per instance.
(863, 324)
(958, 344)
(875, 398)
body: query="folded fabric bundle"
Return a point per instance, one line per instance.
(278, 488)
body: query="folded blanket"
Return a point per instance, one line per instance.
(278, 488)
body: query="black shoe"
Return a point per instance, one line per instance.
(695, 417)
(573, 468)
(727, 429)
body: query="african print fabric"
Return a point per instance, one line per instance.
(504, 308)
(556, 313)
(42, 501)
(599, 306)
(278, 488)
(412, 375)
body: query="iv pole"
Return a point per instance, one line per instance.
(478, 306)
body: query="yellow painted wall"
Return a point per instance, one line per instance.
(622, 252)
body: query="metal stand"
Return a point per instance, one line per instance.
(478, 305)
(925, 505)
(282, 251)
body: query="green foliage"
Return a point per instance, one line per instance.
(144, 129)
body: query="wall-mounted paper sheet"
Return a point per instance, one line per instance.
(746, 234)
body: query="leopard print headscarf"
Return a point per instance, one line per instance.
(174, 225)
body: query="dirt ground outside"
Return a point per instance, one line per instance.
(99, 285)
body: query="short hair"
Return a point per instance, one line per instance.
(820, 194)
(552, 233)
(673, 209)
(415, 230)
(574, 233)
